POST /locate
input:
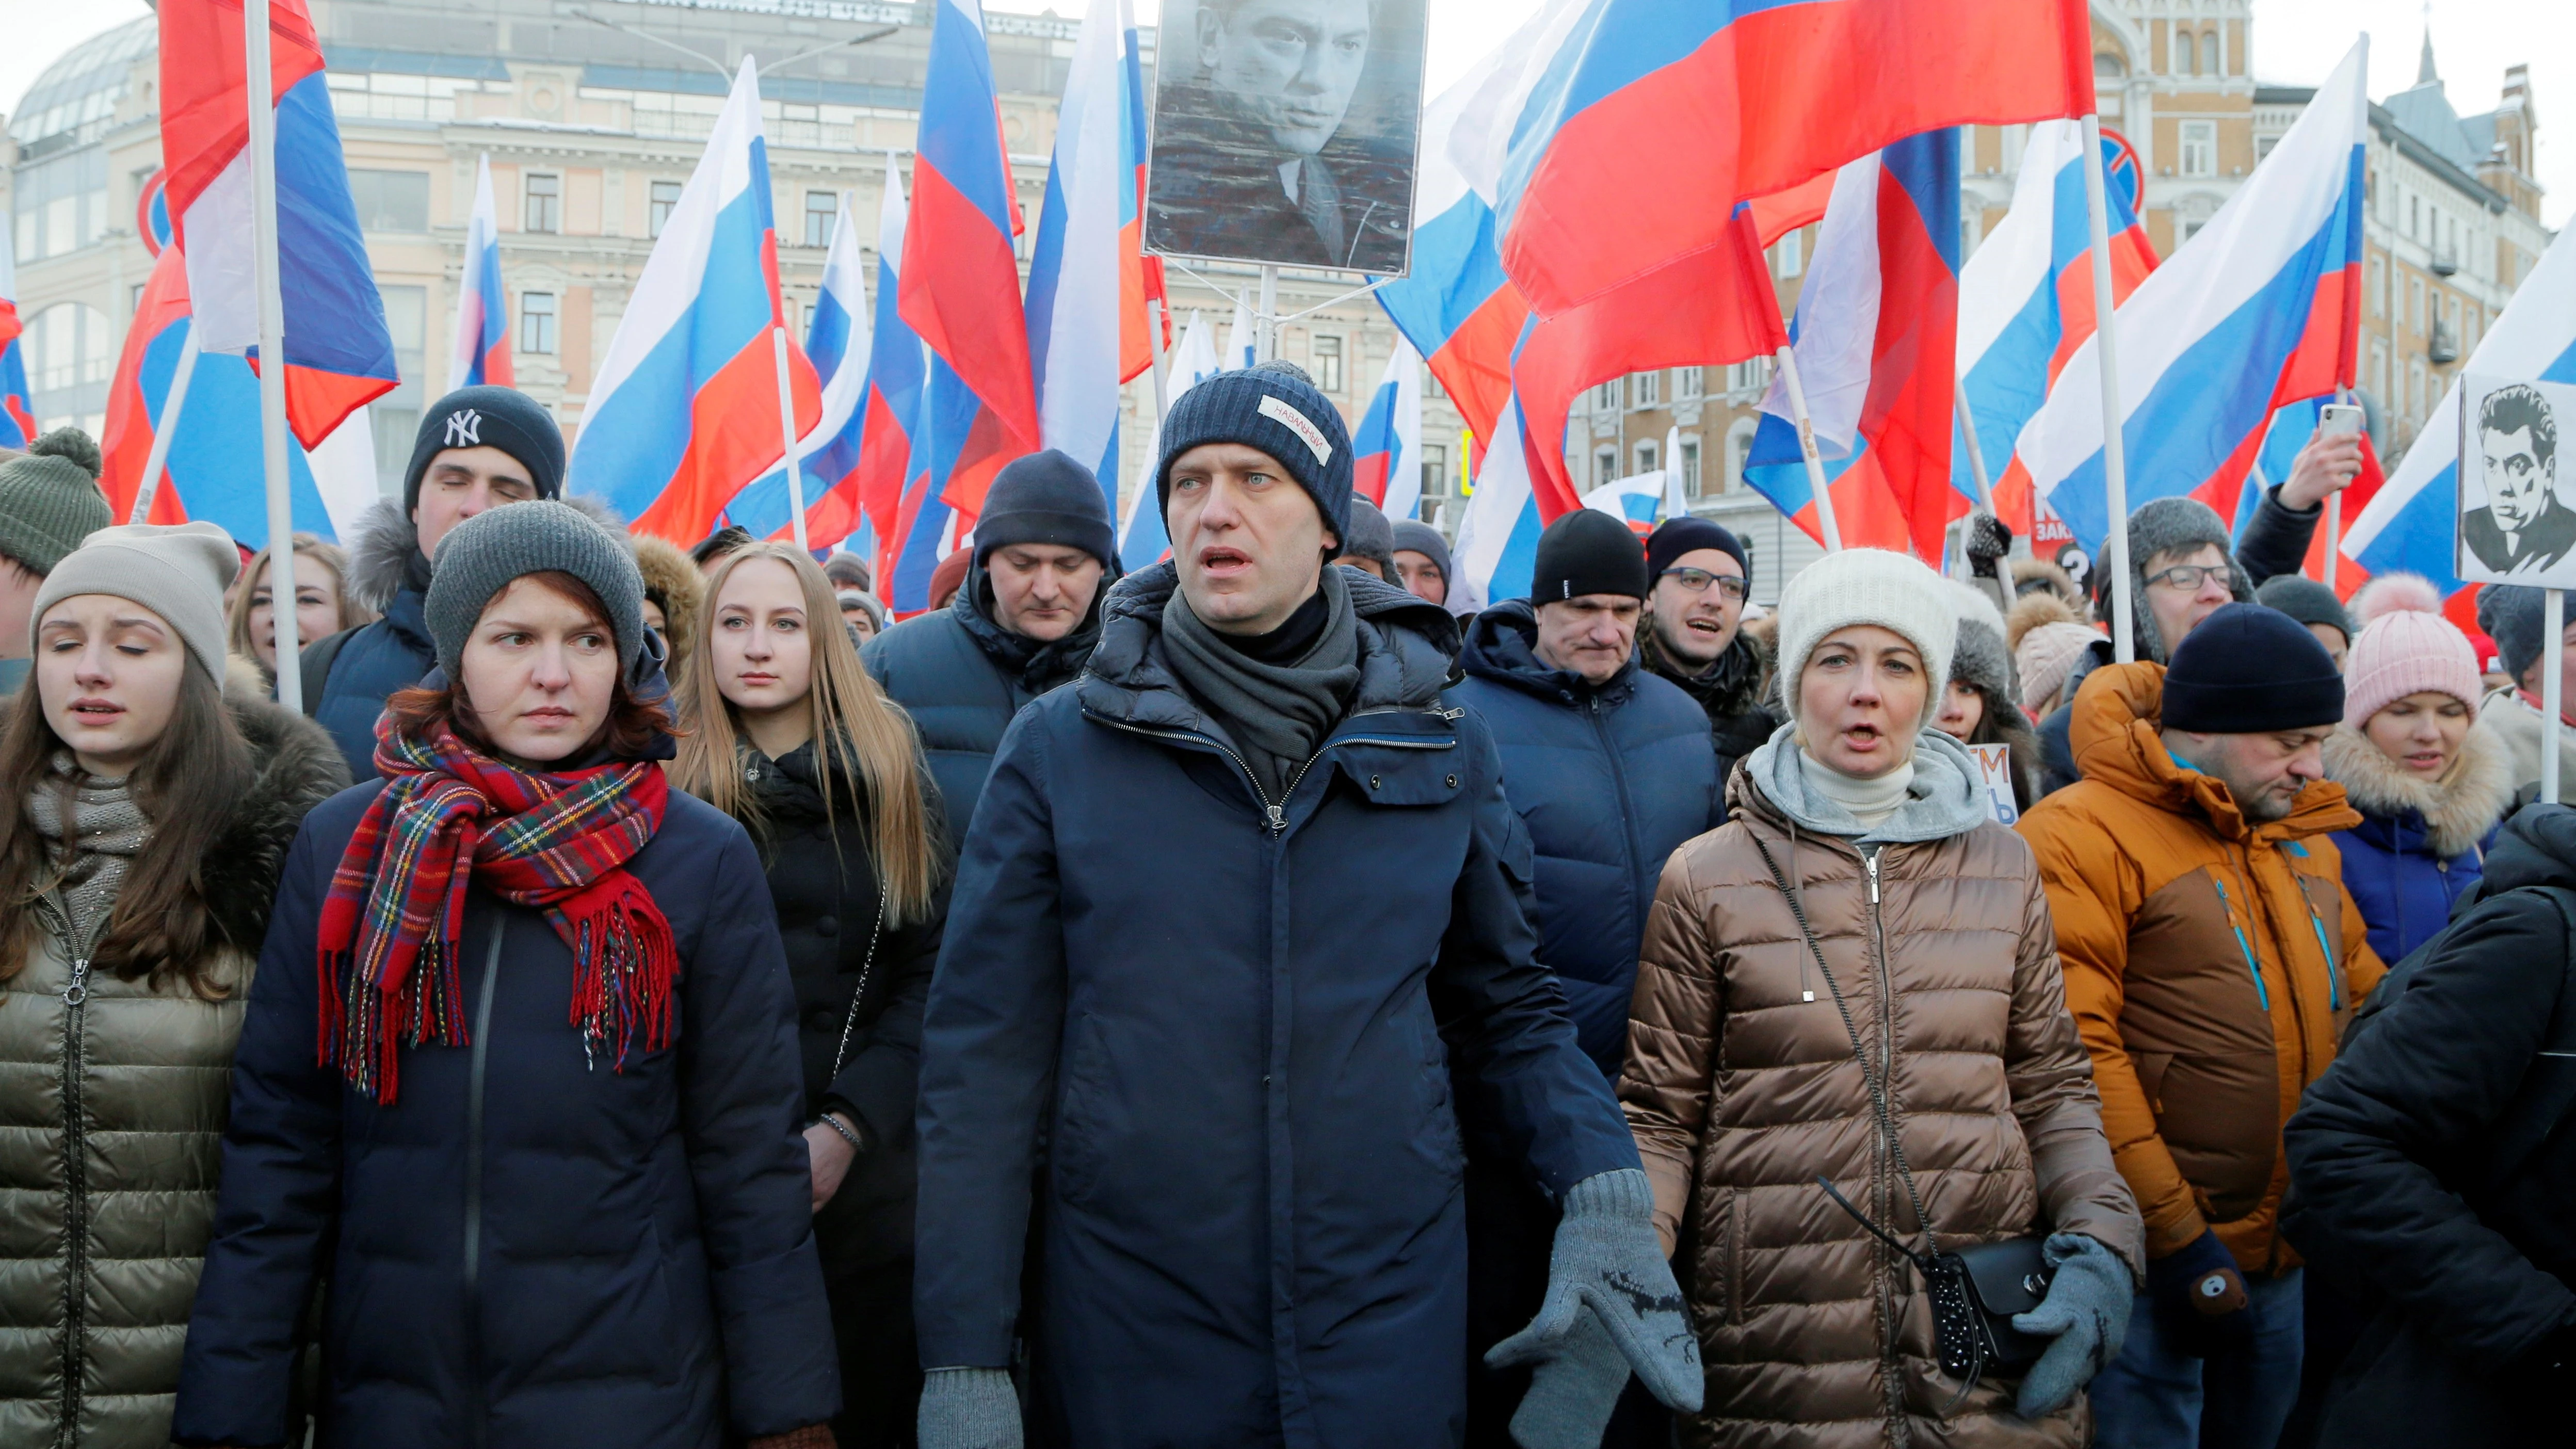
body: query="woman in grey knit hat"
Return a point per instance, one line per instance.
(1982, 704)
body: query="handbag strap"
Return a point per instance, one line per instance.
(1877, 1088)
(850, 1023)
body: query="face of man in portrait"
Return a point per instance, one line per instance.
(2518, 479)
(1287, 66)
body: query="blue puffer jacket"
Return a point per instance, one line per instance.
(1231, 1038)
(961, 677)
(1610, 780)
(2420, 846)
(526, 1250)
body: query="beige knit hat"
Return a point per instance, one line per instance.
(178, 571)
(1866, 586)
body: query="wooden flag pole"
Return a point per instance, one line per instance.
(2106, 349)
(1816, 485)
(262, 110)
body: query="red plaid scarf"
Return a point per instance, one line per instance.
(449, 815)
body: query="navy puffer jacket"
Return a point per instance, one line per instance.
(526, 1250)
(1231, 1037)
(1610, 779)
(2421, 845)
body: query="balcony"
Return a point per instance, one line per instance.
(2445, 347)
(2446, 261)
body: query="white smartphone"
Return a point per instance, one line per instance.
(2338, 420)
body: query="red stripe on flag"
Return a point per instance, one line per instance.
(733, 439)
(960, 293)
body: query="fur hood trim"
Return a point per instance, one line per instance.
(2032, 610)
(2058, 580)
(2457, 812)
(671, 579)
(385, 540)
(298, 767)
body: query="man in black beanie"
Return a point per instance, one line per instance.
(1185, 1017)
(476, 448)
(1023, 622)
(1698, 577)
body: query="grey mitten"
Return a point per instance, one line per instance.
(1571, 1396)
(968, 1408)
(2086, 1311)
(1989, 539)
(1607, 1265)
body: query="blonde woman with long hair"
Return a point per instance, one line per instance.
(788, 734)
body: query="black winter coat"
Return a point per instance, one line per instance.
(1230, 1037)
(2392, 1160)
(961, 677)
(1730, 693)
(1610, 779)
(524, 1251)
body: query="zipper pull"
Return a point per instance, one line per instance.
(1278, 817)
(78, 991)
(1871, 860)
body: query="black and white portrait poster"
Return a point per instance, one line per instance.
(2517, 524)
(1284, 132)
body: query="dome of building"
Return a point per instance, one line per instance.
(77, 95)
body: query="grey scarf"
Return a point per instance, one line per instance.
(1276, 714)
(108, 831)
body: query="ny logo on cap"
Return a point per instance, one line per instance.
(464, 428)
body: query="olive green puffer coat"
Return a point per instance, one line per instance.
(113, 1099)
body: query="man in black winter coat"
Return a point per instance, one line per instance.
(1024, 622)
(2427, 1173)
(1697, 577)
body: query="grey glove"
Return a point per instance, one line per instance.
(1989, 539)
(2086, 1311)
(968, 1408)
(1608, 1266)
(1571, 1396)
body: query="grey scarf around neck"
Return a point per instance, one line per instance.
(107, 831)
(1946, 798)
(1276, 714)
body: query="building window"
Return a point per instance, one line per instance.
(1435, 470)
(1649, 390)
(1789, 255)
(1605, 398)
(2379, 368)
(2199, 148)
(391, 200)
(537, 323)
(820, 208)
(1649, 457)
(134, 299)
(61, 204)
(2415, 303)
(1690, 467)
(1327, 356)
(2414, 390)
(666, 196)
(1749, 375)
(2378, 302)
(1605, 467)
(1431, 385)
(543, 209)
(1691, 382)
(1739, 443)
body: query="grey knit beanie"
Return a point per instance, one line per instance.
(178, 571)
(2510, 614)
(481, 556)
(49, 500)
(1978, 657)
(1371, 536)
(2163, 525)
(2307, 601)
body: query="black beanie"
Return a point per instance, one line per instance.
(1683, 535)
(1587, 551)
(1273, 407)
(1046, 498)
(2249, 670)
(2510, 614)
(488, 417)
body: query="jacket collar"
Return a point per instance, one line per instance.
(1502, 646)
(1947, 797)
(2115, 739)
(2450, 814)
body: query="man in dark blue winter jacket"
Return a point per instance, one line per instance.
(477, 448)
(1223, 900)
(1023, 622)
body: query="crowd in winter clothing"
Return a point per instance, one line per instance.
(1242, 1001)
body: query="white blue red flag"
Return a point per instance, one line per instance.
(1142, 293)
(17, 415)
(2026, 300)
(339, 352)
(2410, 524)
(1079, 268)
(482, 353)
(684, 410)
(1143, 540)
(1386, 448)
(2261, 308)
(1876, 339)
(1497, 543)
(836, 343)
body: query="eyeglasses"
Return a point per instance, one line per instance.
(2187, 578)
(1698, 580)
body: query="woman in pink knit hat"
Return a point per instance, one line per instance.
(2430, 780)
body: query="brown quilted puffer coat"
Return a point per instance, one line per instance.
(1741, 1090)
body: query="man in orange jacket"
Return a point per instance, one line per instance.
(2211, 955)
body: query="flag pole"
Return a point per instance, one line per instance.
(2106, 349)
(1976, 455)
(1265, 322)
(1822, 492)
(787, 428)
(2553, 689)
(257, 88)
(166, 429)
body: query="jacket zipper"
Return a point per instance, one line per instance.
(1619, 779)
(2262, 993)
(75, 1188)
(1883, 1183)
(474, 1417)
(2334, 973)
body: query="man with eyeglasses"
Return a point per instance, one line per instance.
(1697, 576)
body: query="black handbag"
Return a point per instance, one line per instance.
(1975, 1290)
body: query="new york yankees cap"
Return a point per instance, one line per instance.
(488, 417)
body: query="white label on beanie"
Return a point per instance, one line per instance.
(1298, 423)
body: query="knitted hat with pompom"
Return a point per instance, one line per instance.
(2405, 653)
(49, 500)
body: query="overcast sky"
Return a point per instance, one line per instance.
(2296, 42)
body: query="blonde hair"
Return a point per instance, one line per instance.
(307, 546)
(870, 738)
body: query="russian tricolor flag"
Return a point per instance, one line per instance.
(17, 416)
(339, 353)
(2411, 524)
(213, 469)
(1497, 544)
(1079, 274)
(482, 353)
(684, 408)
(1876, 341)
(1140, 277)
(2258, 310)
(1386, 448)
(836, 343)
(2026, 304)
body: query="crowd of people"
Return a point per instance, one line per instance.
(1241, 1001)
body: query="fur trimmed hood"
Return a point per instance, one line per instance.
(385, 541)
(298, 767)
(2457, 812)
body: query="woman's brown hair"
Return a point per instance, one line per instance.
(870, 738)
(307, 547)
(188, 788)
(632, 721)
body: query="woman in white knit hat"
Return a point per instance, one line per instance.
(1861, 958)
(2431, 779)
